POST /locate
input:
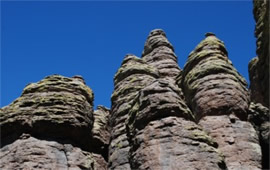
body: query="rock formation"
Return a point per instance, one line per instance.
(218, 97)
(259, 66)
(259, 79)
(132, 76)
(161, 117)
(49, 127)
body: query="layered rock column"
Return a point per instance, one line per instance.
(49, 127)
(259, 78)
(133, 75)
(160, 126)
(163, 136)
(217, 95)
(259, 66)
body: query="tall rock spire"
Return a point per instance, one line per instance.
(259, 78)
(218, 97)
(133, 75)
(259, 66)
(159, 53)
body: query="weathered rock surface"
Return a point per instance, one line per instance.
(162, 135)
(219, 99)
(259, 79)
(31, 153)
(55, 106)
(259, 66)
(210, 82)
(133, 75)
(57, 115)
(259, 116)
(101, 129)
(159, 53)
(160, 118)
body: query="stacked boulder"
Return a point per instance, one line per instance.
(218, 97)
(49, 127)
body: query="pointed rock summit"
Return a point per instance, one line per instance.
(159, 53)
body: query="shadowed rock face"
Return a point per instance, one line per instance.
(218, 97)
(259, 66)
(259, 78)
(259, 117)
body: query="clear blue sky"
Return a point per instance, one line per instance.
(92, 38)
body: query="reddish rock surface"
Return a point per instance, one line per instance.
(160, 117)
(219, 99)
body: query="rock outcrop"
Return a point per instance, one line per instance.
(259, 66)
(56, 116)
(161, 117)
(162, 134)
(259, 79)
(218, 97)
(259, 117)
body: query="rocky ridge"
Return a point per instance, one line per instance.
(161, 117)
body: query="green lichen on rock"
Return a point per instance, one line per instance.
(53, 106)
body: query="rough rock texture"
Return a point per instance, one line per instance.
(57, 109)
(30, 153)
(259, 66)
(218, 97)
(259, 78)
(101, 129)
(163, 137)
(159, 53)
(259, 116)
(160, 118)
(54, 106)
(210, 82)
(133, 75)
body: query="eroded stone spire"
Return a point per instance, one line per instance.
(159, 53)
(133, 75)
(217, 95)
